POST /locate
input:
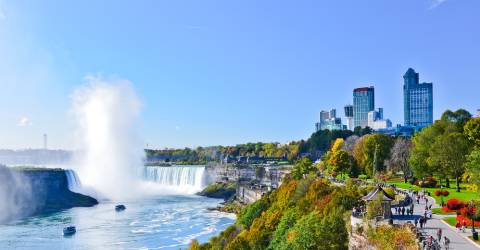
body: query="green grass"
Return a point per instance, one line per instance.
(452, 221)
(463, 195)
(440, 211)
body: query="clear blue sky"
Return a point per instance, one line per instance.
(228, 72)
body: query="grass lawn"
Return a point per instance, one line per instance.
(440, 211)
(463, 195)
(452, 221)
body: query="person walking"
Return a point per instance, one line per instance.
(421, 223)
(446, 242)
(403, 211)
(416, 222)
(439, 234)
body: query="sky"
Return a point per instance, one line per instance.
(229, 72)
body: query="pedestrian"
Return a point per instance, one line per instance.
(439, 234)
(396, 210)
(421, 222)
(416, 222)
(430, 207)
(446, 242)
(403, 211)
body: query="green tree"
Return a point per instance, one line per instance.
(302, 167)
(473, 166)
(472, 131)
(449, 152)
(376, 146)
(422, 144)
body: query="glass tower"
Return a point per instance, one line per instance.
(363, 102)
(417, 100)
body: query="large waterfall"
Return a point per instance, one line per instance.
(74, 183)
(177, 179)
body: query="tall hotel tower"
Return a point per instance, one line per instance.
(363, 102)
(417, 100)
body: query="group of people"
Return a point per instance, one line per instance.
(402, 210)
(430, 242)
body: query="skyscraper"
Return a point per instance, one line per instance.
(417, 100)
(349, 116)
(363, 102)
(329, 120)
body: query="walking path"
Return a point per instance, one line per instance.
(457, 240)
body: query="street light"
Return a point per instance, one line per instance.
(474, 213)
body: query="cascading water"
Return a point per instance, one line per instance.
(74, 183)
(177, 179)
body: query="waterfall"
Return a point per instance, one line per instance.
(180, 179)
(74, 183)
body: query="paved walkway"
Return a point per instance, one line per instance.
(457, 240)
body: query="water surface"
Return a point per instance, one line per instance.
(161, 222)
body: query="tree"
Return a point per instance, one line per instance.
(473, 167)
(449, 152)
(302, 167)
(376, 146)
(472, 131)
(349, 144)
(358, 153)
(399, 157)
(421, 149)
(340, 162)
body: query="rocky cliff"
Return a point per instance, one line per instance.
(30, 191)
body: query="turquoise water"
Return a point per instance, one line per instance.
(162, 222)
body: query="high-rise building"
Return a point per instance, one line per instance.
(417, 100)
(349, 116)
(329, 120)
(363, 102)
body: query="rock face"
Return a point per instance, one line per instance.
(25, 192)
(220, 191)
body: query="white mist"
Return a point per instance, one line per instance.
(106, 112)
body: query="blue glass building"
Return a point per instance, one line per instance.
(363, 102)
(417, 100)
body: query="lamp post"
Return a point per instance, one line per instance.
(474, 213)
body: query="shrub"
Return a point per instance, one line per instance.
(445, 193)
(438, 193)
(251, 212)
(363, 177)
(429, 182)
(454, 204)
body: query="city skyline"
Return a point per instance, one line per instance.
(227, 73)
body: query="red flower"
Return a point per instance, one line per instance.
(455, 204)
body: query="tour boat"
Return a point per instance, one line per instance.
(69, 231)
(119, 208)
